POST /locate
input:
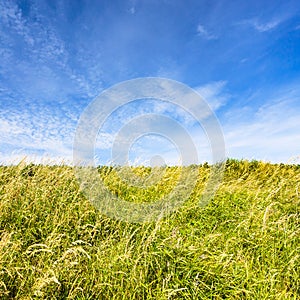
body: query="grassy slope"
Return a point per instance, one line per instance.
(243, 245)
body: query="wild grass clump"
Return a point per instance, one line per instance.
(243, 245)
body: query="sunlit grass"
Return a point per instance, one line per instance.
(245, 244)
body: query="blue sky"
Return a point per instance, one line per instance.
(243, 57)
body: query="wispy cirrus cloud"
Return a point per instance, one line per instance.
(263, 26)
(270, 132)
(36, 58)
(214, 94)
(38, 130)
(204, 33)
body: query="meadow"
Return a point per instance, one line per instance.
(245, 244)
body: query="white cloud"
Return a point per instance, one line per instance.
(37, 132)
(45, 64)
(214, 94)
(267, 26)
(270, 133)
(11, 16)
(261, 26)
(202, 31)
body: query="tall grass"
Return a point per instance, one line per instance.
(243, 245)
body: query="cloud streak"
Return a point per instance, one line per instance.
(204, 33)
(261, 26)
(270, 133)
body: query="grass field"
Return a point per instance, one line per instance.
(245, 244)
